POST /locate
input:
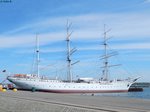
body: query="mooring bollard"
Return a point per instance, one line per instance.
(15, 90)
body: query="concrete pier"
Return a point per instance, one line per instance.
(26, 101)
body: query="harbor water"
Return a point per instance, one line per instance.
(145, 94)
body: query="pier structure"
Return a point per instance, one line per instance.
(26, 101)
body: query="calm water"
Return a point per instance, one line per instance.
(144, 95)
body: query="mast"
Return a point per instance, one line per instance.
(37, 55)
(106, 56)
(69, 52)
(105, 71)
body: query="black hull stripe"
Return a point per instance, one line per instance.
(80, 91)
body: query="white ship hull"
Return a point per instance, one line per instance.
(57, 86)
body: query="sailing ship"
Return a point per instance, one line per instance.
(82, 85)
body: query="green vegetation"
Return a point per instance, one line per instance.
(141, 84)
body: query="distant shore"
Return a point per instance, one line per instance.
(141, 84)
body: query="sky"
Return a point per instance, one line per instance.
(128, 21)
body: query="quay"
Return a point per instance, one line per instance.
(26, 101)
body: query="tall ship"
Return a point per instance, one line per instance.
(81, 85)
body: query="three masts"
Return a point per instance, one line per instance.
(82, 85)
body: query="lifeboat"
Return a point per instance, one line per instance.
(20, 75)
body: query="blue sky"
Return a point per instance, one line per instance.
(129, 21)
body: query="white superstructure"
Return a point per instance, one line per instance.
(82, 85)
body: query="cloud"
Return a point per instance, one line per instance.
(17, 41)
(29, 40)
(146, 1)
(38, 25)
(137, 46)
(125, 26)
